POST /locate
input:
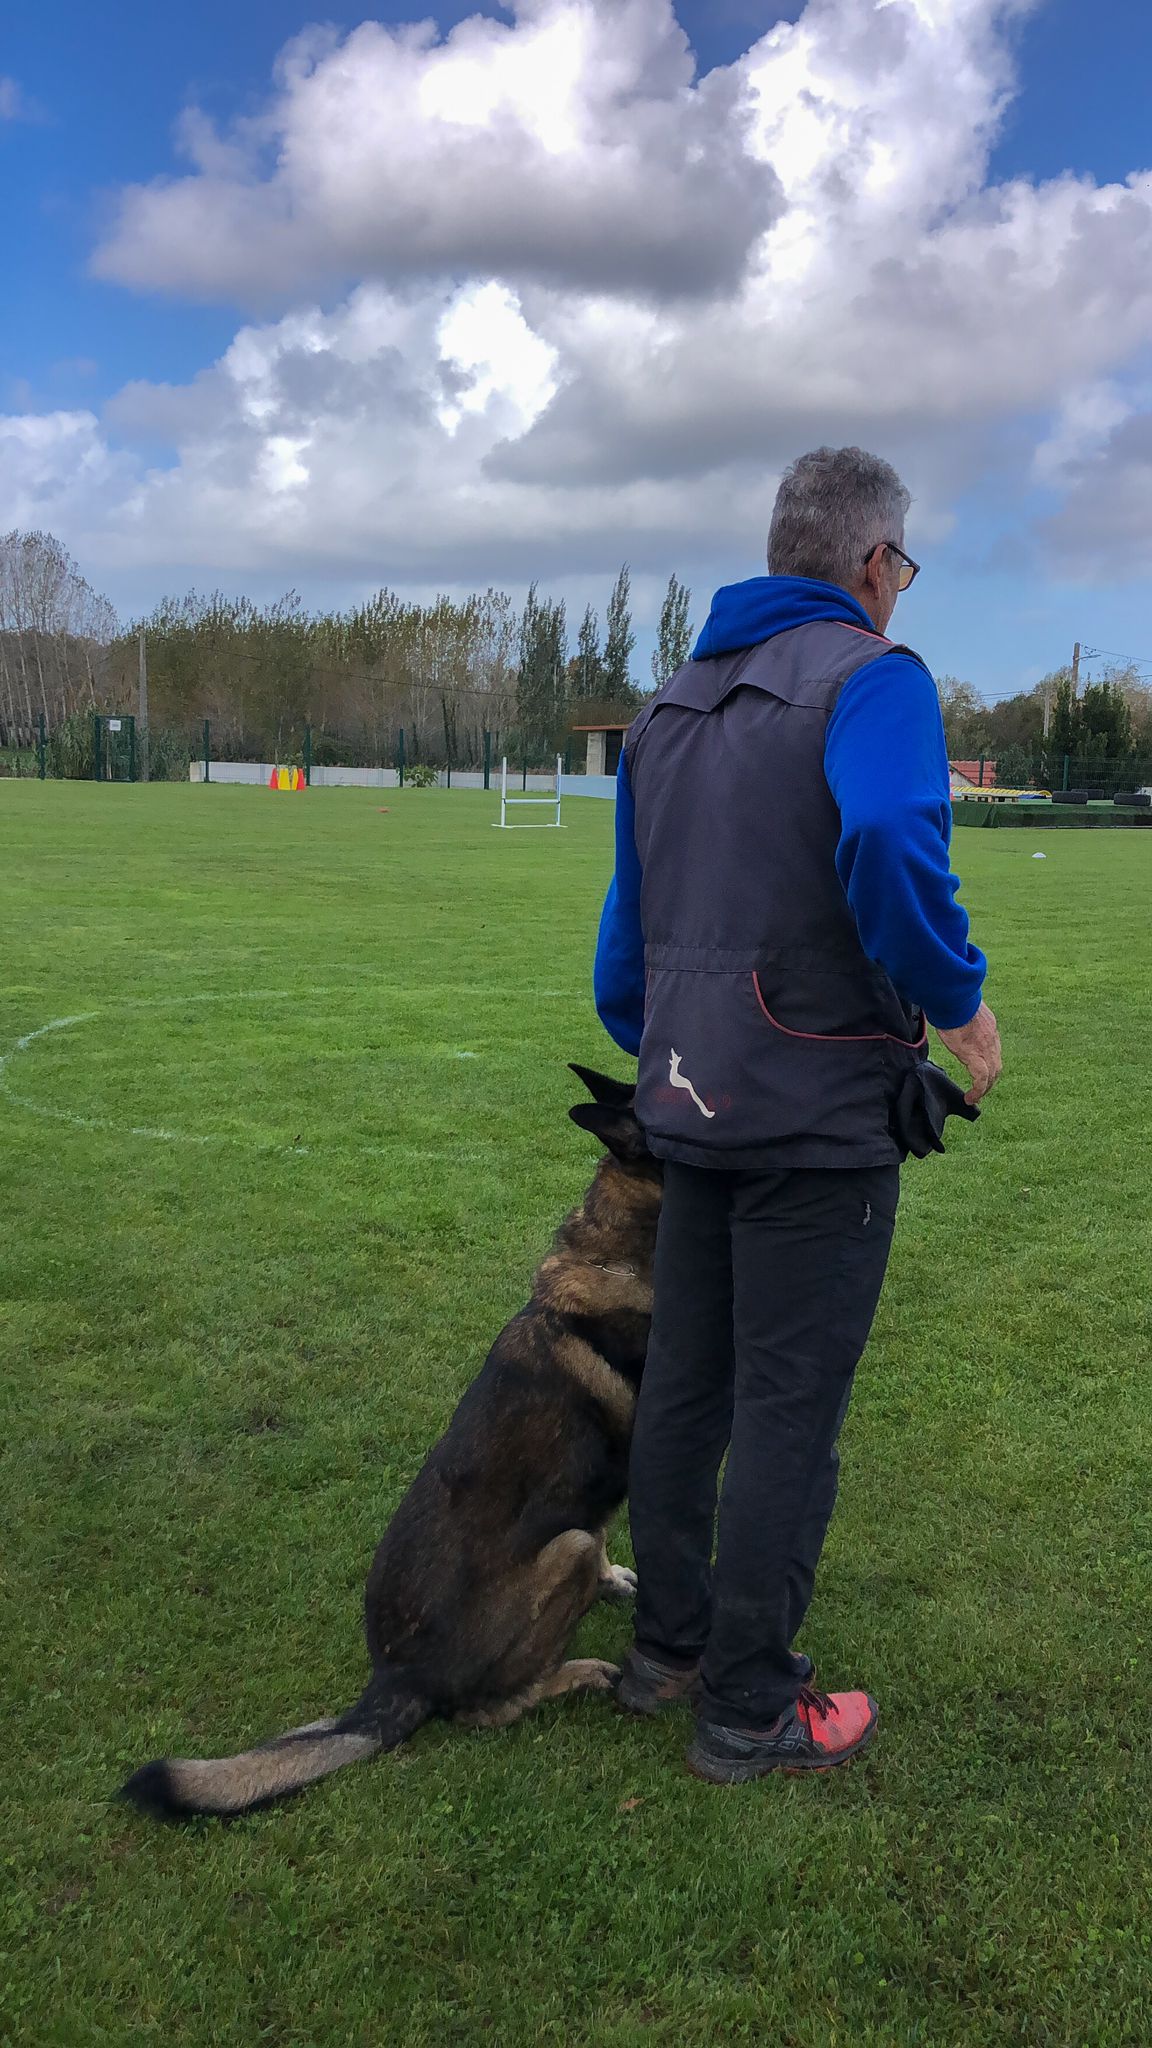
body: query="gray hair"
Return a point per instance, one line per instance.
(833, 507)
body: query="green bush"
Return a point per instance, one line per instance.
(69, 750)
(168, 756)
(420, 776)
(329, 751)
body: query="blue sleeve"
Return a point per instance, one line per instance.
(618, 976)
(886, 763)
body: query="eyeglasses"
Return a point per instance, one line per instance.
(909, 570)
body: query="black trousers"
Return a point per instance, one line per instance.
(766, 1285)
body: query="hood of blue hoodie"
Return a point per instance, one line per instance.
(745, 614)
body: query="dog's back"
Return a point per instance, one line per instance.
(497, 1547)
(538, 1444)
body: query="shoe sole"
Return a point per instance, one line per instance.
(746, 1772)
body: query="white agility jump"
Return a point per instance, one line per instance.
(508, 803)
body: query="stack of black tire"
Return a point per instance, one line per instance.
(1125, 799)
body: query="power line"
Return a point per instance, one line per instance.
(1111, 654)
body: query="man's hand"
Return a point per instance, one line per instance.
(977, 1047)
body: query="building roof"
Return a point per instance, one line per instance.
(969, 771)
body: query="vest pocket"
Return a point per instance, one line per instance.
(825, 1008)
(718, 1072)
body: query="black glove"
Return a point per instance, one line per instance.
(927, 1097)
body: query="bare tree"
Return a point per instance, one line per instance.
(55, 631)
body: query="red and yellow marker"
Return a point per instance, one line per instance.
(287, 778)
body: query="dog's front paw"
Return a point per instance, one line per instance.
(601, 1677)
(618, 1584)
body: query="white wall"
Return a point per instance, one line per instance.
(588, 785)
(322, 778)
(386, 778)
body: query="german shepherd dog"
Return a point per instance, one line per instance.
(498, 1547)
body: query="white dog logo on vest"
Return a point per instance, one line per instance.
(680, 1080)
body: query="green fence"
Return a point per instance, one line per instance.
(110, 746)
(100, 746)
(1090, 774)
(447, 751)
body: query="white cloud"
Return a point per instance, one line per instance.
(1102, 532)
(485, 336)
(345, 442)
(14, 103)
(599, 302)
(53, 464)
(17, 105)
(1080, 429)
(571, 145)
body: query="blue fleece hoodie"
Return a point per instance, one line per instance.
(887, 768)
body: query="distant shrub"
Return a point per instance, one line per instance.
(168, 756)
(70, 748)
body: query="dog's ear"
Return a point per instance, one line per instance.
(616, 1128)
(602, 1088)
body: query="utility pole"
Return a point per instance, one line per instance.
(142, 708)
(1076, 670)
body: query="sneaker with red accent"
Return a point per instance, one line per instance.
(648, 1685)
(822, 1731)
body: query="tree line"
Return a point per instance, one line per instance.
(56, 635)
(444, 673)
(1104, 723)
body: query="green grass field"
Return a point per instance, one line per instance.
(265, 1201)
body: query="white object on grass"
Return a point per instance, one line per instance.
(508, 803)
(1039, 856)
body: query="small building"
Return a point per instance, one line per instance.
(605, 743)
(973, 774)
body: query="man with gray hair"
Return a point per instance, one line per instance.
(782, 922)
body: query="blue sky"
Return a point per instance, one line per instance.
(100, 93)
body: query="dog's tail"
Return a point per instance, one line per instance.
(172, 1787)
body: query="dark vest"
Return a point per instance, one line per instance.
(770, 1039)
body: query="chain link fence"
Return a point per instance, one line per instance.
(98, 747)
(1038, 790)
(114, 747)
(1082, 777)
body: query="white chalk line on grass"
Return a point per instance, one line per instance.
(87, 1123)
(97, 1123)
